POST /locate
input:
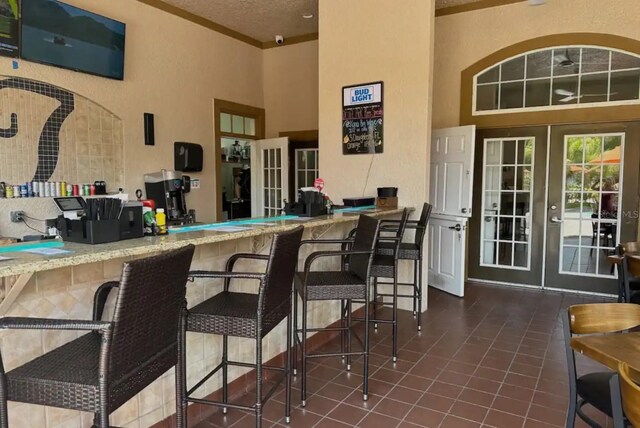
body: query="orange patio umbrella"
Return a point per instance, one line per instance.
(610, 156)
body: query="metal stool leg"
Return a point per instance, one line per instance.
(415, 288)
(395, 314)
(375, 302)
(304, 352)
(419, 262)
(348, 332)
(225, 371)
(259, 379)
(343, 333)
(287, 404)
(295, 334)
(365, 383)
(181, 379)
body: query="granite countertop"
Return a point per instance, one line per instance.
(23, 262)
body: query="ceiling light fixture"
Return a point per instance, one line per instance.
(536, 2)
(307, 15)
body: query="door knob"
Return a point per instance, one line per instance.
(457, 228)
(555, 219)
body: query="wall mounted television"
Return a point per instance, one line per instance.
(65, 36)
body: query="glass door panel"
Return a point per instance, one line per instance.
(506, 236)
(587, 204)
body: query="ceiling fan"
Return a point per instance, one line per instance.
(570, 96)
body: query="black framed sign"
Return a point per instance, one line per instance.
(362, 118)
(9, 28)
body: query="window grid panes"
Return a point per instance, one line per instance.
(506, 201)
(272, 180)
(560, 76)
(307, 169)
(237, 125)
(592, 186)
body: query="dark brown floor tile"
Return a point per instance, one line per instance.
(386, 375)
(445, 389)
(525, 370)
(415, 382)
(405, 395)
(347, 414)
(424, 417)
(335, 391)
(375, 420)
(392, 408)
(468, 411)
(320, 405)
(476, 397)
(551, 401)
(435, 402)
(516, 392)
(456, 422)
(509, 405)
(520, 380)
(499, 419)
(491, 374)
(304, 418)
(356, 399)
(330, 423)
(546, 415)
(484, 385)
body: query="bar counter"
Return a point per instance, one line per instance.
(62, 286)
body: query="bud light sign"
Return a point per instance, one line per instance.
(362, 118)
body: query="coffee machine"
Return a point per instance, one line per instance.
(168, 189)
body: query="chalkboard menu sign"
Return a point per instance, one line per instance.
(362, 119)
(9, 28)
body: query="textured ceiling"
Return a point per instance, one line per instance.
(263, 19)
(258, 19)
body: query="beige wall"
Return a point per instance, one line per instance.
(174, 69)
(291, 88)
(368, 40)
(464, 38)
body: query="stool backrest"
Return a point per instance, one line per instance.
(148, 309)
(402, 226)
(281, 267)
(365, 240)
(422, 223)
(630, 391)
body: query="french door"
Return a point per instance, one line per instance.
(550, 212)
(270, 161)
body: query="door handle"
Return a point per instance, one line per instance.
(457, 228)
(555, 219)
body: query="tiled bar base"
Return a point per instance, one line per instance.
(68, 293)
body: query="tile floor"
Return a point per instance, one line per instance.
(493, 359)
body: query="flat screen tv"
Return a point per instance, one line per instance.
(65, 36)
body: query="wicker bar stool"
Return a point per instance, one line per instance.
(246, 315)
(103, 369)
(344, 285)
(410, 251)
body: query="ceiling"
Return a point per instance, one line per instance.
(261, 20)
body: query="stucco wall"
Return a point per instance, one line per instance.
(291, 88)
(173, 69)
(464, 38)
(369, 40)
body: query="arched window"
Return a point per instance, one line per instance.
(556, 78)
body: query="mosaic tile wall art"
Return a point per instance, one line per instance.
(50, 134)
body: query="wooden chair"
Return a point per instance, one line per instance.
(628, 378)
(593, 388)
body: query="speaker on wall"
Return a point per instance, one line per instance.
(187, 157)
(149, 132)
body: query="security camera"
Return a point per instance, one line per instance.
(279, 40)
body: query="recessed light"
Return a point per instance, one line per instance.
(307, 15)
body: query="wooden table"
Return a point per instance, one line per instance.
(610, 349)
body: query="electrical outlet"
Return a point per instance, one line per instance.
(17, 216)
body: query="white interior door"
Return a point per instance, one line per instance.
(270, 176)
(451, 194)
(446, 263)
(450, 185)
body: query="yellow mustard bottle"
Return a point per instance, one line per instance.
(161, 221)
